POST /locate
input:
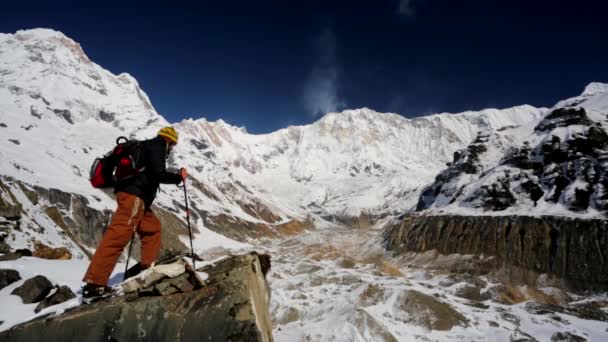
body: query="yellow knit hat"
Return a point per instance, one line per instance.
(168, 133)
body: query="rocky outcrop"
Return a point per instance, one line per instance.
(465, 162)
(566, 168)
(572, 249)
(231, 305)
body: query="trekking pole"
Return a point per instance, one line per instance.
(124, 276)
(189, 229)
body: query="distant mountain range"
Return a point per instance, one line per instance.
(59, 110)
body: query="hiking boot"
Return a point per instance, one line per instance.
(92, 293)
(135, 270)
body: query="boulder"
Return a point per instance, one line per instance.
(61, 295)
(231, 304)
(34, 289)
(8, 277)
(421, 309)
(470, 292)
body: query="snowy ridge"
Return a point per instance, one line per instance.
(349, 162)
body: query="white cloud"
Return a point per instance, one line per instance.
(406, 8)
(321, 89)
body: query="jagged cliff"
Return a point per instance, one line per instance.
(573, 249)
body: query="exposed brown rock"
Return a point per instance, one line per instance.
(45, 252)
(572, 249)
(294, 227)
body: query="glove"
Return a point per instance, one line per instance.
(183, 173)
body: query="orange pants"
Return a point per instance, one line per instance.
(130, 217)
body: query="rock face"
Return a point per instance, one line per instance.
(562, 164)
(572, 249)
(232, 305)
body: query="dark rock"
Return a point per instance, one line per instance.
(470, 292)
(8, 277)
(62, 294)
(65, 114)
(572, 249)
(107, 117)
(566, 337)
(521, 158)
(15, 141)
(9, 206)
(586, 310)
(35, 113)
(2, 124)
(199, 144)
(231, 306)
(533, 189)
(598, 138)
(60, 198)
(465, 162)
(563, 117)
(10, 256)
(4, 246)
(24, 252)
(15, 255)
(34, 289)
(496, 196)
(551, 151)
(581, 199)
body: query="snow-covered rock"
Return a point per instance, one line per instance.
(557, 166)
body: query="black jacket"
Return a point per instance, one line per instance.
(145, 185)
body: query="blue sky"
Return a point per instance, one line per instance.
(269, 64)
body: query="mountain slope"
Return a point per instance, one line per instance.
(59, 111)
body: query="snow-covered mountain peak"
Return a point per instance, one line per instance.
(49, 74)
(595, 88)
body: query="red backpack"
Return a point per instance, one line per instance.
(120, 164)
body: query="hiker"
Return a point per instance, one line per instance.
(133, 214)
